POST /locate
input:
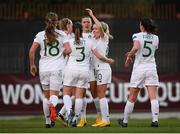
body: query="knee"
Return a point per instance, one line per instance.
(101, 94)
(132, 98)
(94, 93)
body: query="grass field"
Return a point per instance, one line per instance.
(36, 125)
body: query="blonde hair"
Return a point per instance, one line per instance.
(105, 28)
(63, 23)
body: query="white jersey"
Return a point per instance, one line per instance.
(66, 38)
(103, 48)
(87, 35)
(51, 55)
(144, 57)
(79, 58)
(60, 32)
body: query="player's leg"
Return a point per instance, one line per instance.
(78, 105)
(55, 86)
(136, 83)
(82, 122)
(129, 106)
(152, 90)
(67, 91)
(152, 83)
(103, 79)
(45, 81)
(46, 108)
(92, 82)
(70, 81)
(81, 86)
(62, 115)
(93, 88)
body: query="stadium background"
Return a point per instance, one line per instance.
(20, 20)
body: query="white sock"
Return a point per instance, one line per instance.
(104, 109)
(46, 110)
(128, 110)
(83, 110)
(67, 103)
(63, 109)
(97, 105)
(53, 100)
(155, 110)
(78, 107)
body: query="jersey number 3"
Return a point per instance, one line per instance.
(81, 50)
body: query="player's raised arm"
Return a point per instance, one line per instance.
(96, 21)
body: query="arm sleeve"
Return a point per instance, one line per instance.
(135, 37)
(37, 39)
(66, 39)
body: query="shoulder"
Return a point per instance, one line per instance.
(105, 38)
(39, 37)
(40, 34)
(62, 33)
(156, 36)
(136, 36)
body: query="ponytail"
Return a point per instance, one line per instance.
(77, 36)
(105, 28)
(51, 23)
(77, 30)
(51, 35)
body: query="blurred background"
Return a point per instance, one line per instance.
(21, 20)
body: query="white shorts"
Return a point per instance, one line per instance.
(92, 75)
(51, 80)
(103, 76)
(141, 78)
(76, 78)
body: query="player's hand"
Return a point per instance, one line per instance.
(89, 11)
(111, 61)
(33, 70)
(129, 59)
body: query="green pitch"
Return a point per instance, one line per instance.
(36, 125)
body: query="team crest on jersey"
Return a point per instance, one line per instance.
(89, 36)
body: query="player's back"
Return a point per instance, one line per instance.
(80, 55)
(144, 58)
(51, 54)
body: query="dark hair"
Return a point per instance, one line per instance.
(149, 25)
(51, 22)
(77, 30)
